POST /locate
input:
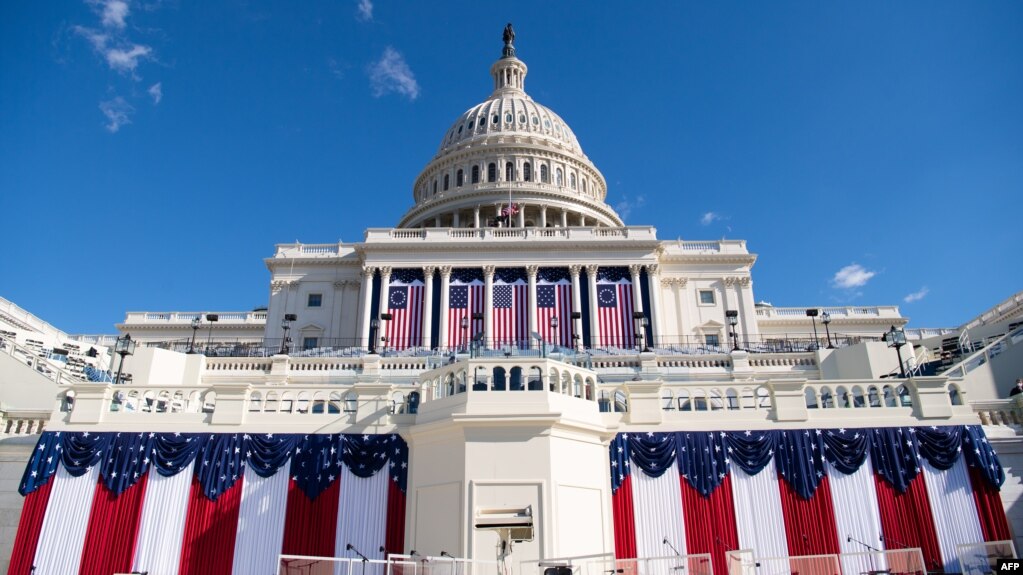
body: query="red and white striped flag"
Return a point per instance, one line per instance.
(405, 304)
(614, 307)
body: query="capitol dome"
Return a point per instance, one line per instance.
(506, 150)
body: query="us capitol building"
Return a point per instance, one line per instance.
(511, 380)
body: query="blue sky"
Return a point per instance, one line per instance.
(152, 153)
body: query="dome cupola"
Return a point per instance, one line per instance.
(506, 150)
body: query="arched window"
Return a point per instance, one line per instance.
(584, 185)
(435, 187)
(460, 178)
(527, 172)
(557, 177)
(571, 180)
(544, 176)
(509, 172)
(492, 172)
(446, 180)
(475, 174)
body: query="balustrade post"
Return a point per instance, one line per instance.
(788, 402)
(930, 397)
(230, 408)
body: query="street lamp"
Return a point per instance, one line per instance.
(812, 314)
(124, 346)
(826, 319)
(383, 338)
(211, 318)
(196, 322)
(733, 320)
(639, 332)
(374, 325)
(465, 331)
(896, 338)
(554, 331)
(286, 324)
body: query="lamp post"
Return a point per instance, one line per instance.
(383, 338)
(554, 331)
(196, 323)
(374, 325)
(211, 318)
(826, 319)
(575, 337)
(124, 346)
(639, 330)
(896, 338)
(812, 314)
(465, 332)
(286, 340)
(733, 321)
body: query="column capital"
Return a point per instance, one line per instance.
(745, 281)
(635, 269)
(488, 271)
(385, 270)
(574, 269)
(445, 272)
(653, 269)
(531, 271)
(341, 284)
(368, 271)
(277, 285)
(729, 281)
(428, 272)
(591, 270)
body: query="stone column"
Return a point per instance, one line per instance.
(522, 216)
(445, 280)
(564, 218)
(365, 304)
(454, 219)
(637, 298)
(338, 310)
(428, 306)
(531, 272)
(582, 221)
(543, 216)
(591, 274)
(577, 324)
(488, 304)
(476, 217)
(385, 280)
(654, 281)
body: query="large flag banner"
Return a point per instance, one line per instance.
(465, 298)
(405, 304)
(554, 299)
(511, 307)
(209, 504)
(614, 307)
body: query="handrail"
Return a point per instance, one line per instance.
(32, 360)
(970, 362)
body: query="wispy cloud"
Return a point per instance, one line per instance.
(365, 10)
(126, 59)
(625, 207)
(113, 13)
(917, 295)
(156, 92)
(118, 113)
(709, 218)
(392, 74)
(852, 276)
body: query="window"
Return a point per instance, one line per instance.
(544, 175)
(711, 339)
(522, 118)
(470, 124)
(460, 178)
(706, 297)
(435, 187)
(496, 118)
(571, 180)
(527, 172)
(315, 300)
(445, 182)
(475, 174)
(459, 129)
(536, 121)
(584, 185)
(310, 342)
(508, 118)
(509, 172)
(557, 177)
(492, 172)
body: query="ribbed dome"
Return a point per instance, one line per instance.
(509, 114)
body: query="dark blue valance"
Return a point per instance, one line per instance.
(218, 460)
(704, 458)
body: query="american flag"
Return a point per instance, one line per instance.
(614, 307)
(465, 297)
(405, 304)
(554, 299)
(511, 307)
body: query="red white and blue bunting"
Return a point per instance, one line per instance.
(813, 485)
(174, 502)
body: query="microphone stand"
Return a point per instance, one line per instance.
(677, 554)
(365, 559)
